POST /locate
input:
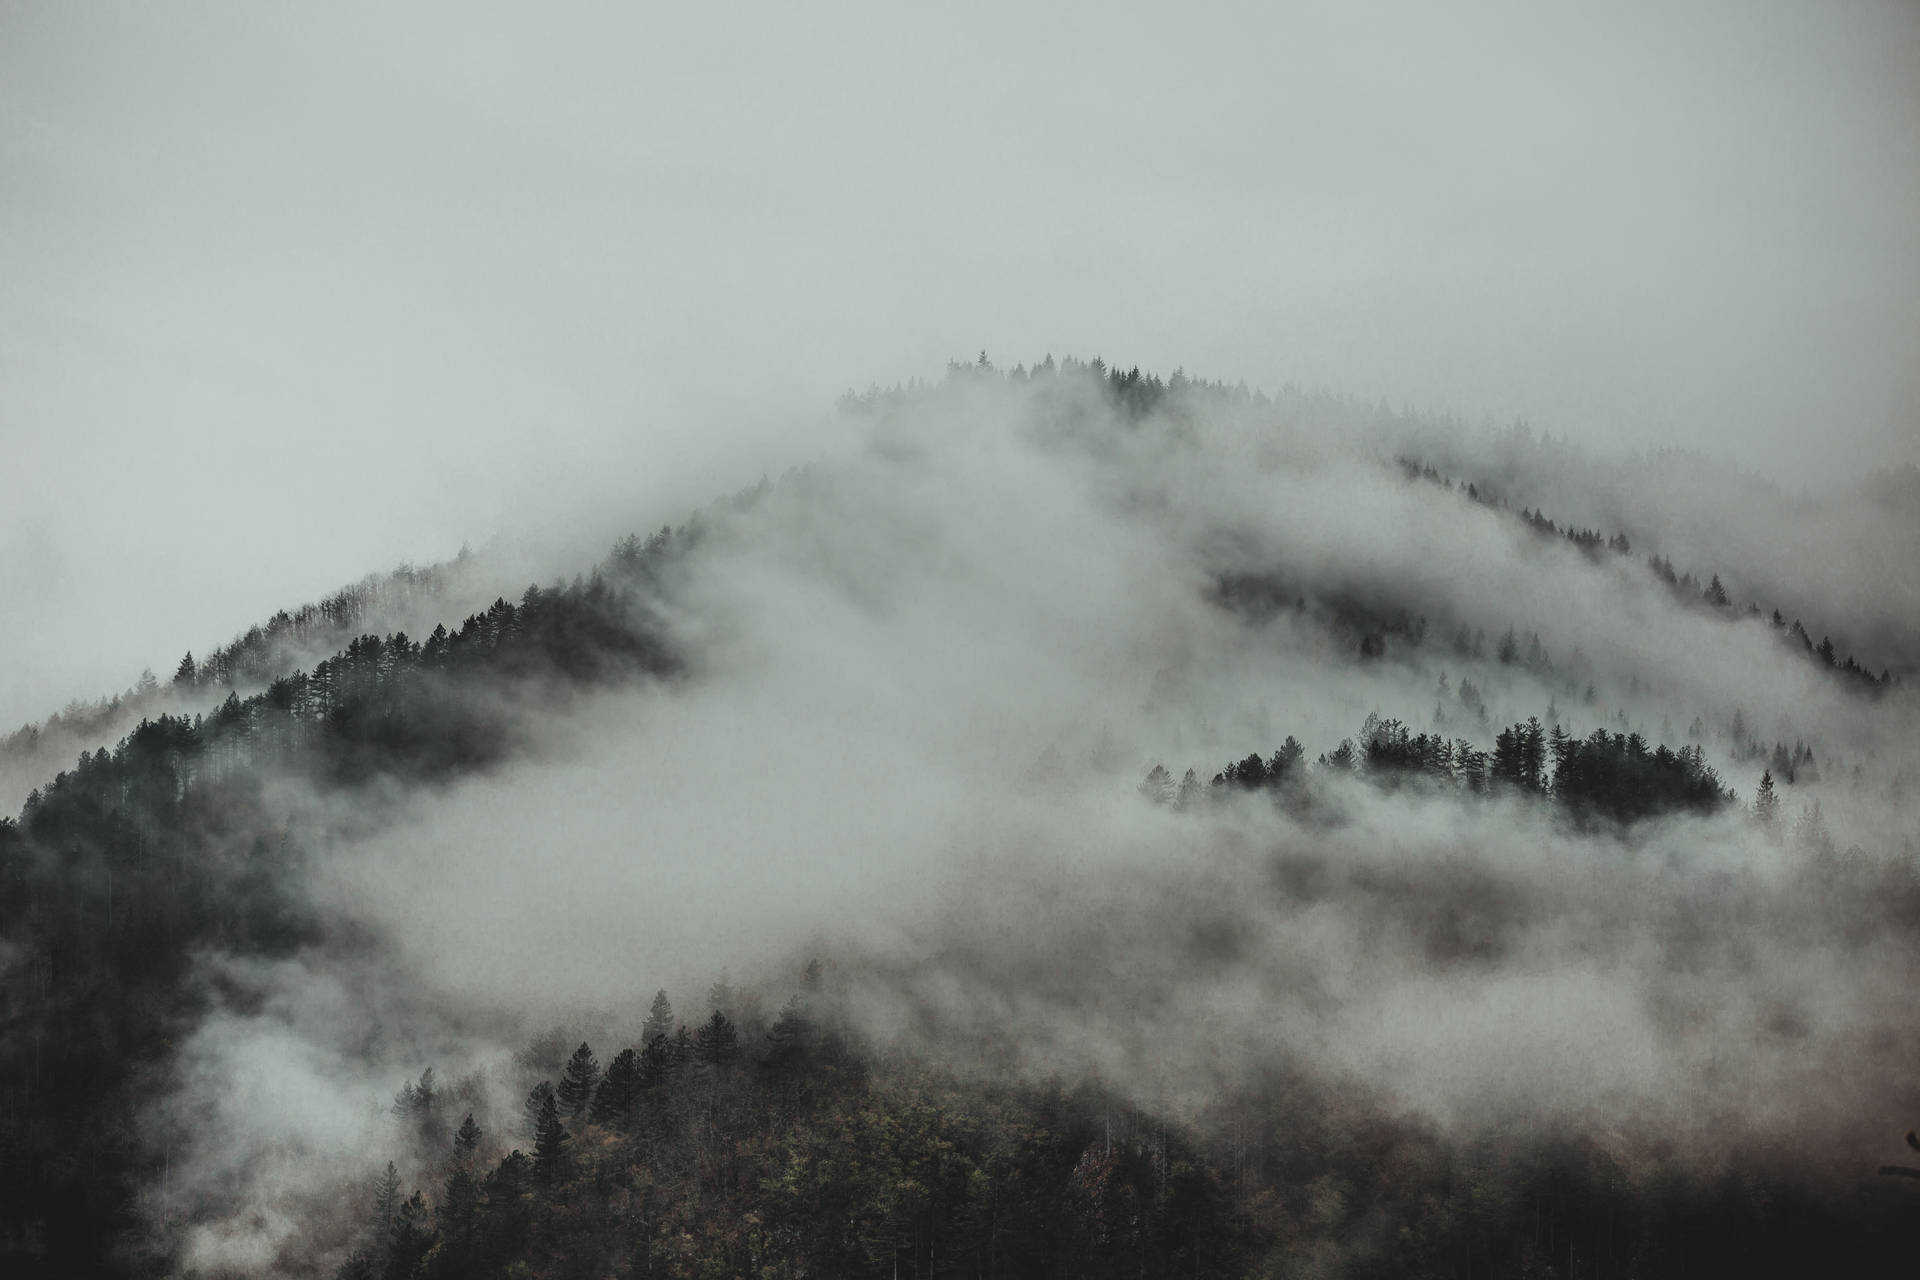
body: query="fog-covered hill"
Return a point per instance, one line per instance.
(1085, 823)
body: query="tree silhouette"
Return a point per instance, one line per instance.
(577, 1082)
(550, 1141)
(619, 1093)
(659, 1019)
(536, 1104)
(1766, 805)
(718, 1044)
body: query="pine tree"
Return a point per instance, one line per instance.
(550, 1141)
(458, 1214)
(467, 1140)
(411, 1237)
(577, 1081)
(659, 1019)
(1509, 648)
(1810, 831)
(1766, 805)
(185, 674)
(656, 1062)
(1533, 755)
(682, 1047)
(537, 1099)
(1508, 767)
(718, 1044)
(790, 1037)
(1560, 745)
(386, 1202)
(416, 1100)
(1781, 763)
(619, 1094)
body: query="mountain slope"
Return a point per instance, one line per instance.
(1493, 941)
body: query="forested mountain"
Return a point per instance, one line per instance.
(286, 643)
(1686, 587)
(1139, 826)
(1712, 517)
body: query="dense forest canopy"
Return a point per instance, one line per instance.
(1120, 824)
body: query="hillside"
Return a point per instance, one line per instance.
(1121, 825)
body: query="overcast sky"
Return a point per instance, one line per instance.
(290, 292)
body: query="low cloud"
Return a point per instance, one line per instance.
(926, 678)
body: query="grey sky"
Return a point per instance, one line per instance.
(295, 292)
